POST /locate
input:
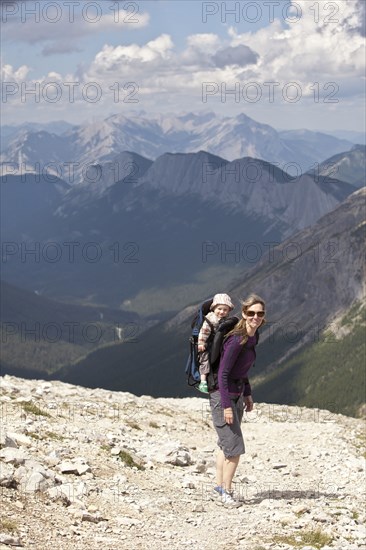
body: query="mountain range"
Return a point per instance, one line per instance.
(125, 221)
(313, 284)
(176, 219)
(29, 149)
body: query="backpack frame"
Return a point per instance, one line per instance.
(214, 345)
(192, 369)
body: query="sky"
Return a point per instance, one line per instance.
(289, 64)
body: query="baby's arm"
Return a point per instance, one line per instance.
(203, 336)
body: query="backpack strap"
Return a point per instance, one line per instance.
(224, 328)
(209, 324)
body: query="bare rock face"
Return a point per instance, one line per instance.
(96, 468)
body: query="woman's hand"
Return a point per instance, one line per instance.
(248, 403)
(228, 415)
(201, 347)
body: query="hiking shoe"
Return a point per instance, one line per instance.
(227, 498)
(203, 387)
(218, 489)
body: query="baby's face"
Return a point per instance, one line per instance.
(221, 311)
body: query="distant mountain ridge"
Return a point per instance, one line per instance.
(349, 166)
(152, 136)
(9, 132)
(184, 212)
(358, 138)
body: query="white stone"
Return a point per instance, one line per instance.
(14, 456)
(34, 482)
(67, 467)
(6, 475)
(92, 509)
(71, 491)
(35, 466)
(322, 518)
(85, 516)
(128, 522)
(10, 540)
(8, 441)
(20, 439)
(82, 469)
(187, 484)
(75, 467)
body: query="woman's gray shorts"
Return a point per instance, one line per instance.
(230, 440)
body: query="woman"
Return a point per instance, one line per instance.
(227, 403)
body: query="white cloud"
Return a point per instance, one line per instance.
(304, 52)
(116, 58)
(8, 74)
(199, 49)
(203, 42)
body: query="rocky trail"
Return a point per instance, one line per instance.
(95, 469)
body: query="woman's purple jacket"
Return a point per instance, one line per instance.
(235, 363)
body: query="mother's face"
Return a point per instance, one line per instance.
(254, 315)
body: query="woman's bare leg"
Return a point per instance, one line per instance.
(225, 470)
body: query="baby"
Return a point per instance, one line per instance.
(220, 309)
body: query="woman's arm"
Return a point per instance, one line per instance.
(232, 349)
(247, 388)
(248, 403)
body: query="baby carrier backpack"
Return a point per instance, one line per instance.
(213, 346)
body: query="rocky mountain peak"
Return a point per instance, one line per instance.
(151, 136)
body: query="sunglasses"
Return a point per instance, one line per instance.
(252, 313)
